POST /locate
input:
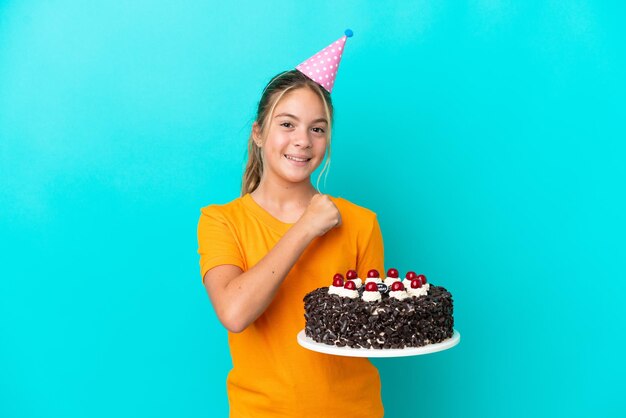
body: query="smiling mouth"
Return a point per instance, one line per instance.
(298, 159)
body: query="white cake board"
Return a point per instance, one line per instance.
(309, 344)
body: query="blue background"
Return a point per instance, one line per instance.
(487, 135)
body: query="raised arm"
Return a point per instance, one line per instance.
(239, 297)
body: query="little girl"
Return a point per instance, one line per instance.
(261, 253)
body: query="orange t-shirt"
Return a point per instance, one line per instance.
(272, 375)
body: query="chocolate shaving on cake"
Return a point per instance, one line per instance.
(390, 323)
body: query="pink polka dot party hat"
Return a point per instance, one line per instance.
(322, 67)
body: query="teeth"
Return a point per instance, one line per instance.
(289, 157)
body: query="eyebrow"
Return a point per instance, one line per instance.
(296, 118)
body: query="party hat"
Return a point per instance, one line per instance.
(322, 67)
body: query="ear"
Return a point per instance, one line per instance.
(256, 134)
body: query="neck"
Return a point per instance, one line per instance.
(285, 201)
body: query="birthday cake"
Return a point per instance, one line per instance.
(380, 314)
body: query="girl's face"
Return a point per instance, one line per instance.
(296, 138)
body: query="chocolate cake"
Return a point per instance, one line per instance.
(379, 314)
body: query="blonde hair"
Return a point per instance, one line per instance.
(273, 92)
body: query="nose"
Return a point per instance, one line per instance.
(301, 138)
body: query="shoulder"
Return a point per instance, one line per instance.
(226, 214)
(223, 209)
(353, 211)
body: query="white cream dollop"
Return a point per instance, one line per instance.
(391, 280)
(398, 294)
(373, 280)
(335, 290)
(421, 291)
(357, 282)
(347, 293)
(371, 296)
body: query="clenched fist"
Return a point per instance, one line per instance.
(320, 216)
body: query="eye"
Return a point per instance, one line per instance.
(319, 130)
(286, 124)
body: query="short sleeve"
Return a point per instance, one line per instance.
(217, 243)
(371, 253)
